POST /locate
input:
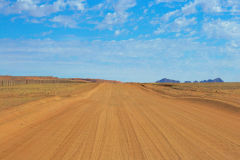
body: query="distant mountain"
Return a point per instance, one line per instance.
(165, 80)
(212, 80)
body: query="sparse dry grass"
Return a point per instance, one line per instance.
(229, 92)
(19, 94)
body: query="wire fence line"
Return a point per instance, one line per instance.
(17, 82)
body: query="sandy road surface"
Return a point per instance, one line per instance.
(119, 121)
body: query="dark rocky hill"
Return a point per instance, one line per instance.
(212, 80)
(165, 80)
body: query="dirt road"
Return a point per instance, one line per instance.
(119, 121)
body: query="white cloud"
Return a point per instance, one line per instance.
(189, 8)
(145, 11)
(234, 5)
(66, 21)
(234, 44)
(117, 11)
(168, 15)
(46, 33)
(207, 6)
(112, 19)
(126, 48)
(135, 28)
(183, 22)
(170, 22)
(169, 1)
(34, 8)
(119, 16)
(117, 32)
(124, 5)
(222, 29)
(39, 8)
(3, 4)
(169, 56)
(120, 31)
(76, 4)
(178, 25)
(159, 30)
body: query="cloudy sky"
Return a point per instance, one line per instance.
(127, 40)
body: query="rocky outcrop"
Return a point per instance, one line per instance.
(212, 80)
(165, 80)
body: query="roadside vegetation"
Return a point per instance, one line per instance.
(19, 94)
(228, 92)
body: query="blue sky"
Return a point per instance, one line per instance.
(127, 40)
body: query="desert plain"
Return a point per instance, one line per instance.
(120, 121)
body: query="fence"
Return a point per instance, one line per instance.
(17, 82)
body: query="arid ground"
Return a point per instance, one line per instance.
(120, 121)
